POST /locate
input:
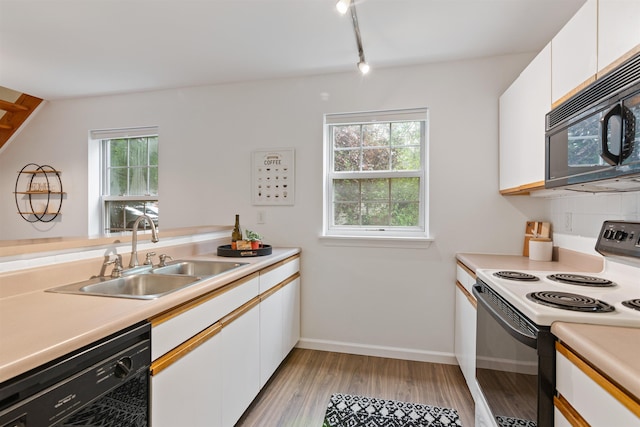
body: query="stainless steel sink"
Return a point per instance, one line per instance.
(201, 268)
(137, 286)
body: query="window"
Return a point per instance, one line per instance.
(375, 174)
(129, 181)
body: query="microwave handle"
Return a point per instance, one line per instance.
(607, 155)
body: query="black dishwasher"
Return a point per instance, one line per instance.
(103, 384)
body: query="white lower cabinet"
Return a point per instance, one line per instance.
(240, 364)
(271, 335)
(290, 316)
(465, 327)
(189, 393)
(213, 355)
(585, 397)
(279, 325)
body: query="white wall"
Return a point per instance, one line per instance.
(372, 300)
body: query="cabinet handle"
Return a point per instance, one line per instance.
(185, 348)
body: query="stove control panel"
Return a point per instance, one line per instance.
(619, 238)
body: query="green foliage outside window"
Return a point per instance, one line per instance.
(377, 147)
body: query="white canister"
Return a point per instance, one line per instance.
(540, 249)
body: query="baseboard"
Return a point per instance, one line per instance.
(378, 351)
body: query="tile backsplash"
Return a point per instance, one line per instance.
(582, 214)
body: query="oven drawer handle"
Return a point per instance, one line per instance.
(530, 338)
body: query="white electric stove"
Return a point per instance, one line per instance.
(514, 344)
(611, 297)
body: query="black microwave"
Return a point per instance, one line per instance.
(593, 138)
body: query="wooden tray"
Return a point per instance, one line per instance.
(225, 250)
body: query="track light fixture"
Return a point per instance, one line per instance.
(343, 6)
(348, 5)
(363, 66)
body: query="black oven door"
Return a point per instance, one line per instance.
(517, 382)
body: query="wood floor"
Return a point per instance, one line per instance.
(298, 393)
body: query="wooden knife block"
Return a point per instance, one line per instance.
(535, 229)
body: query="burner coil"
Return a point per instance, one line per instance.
(569, 301)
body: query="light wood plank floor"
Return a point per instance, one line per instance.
(298, 393)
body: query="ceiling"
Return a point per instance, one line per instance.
(57, 49)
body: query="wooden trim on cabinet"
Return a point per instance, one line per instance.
(569, 412)
(466, 293)
(279, 264)
(615, 64)
(574, 91)
(235, 314)
(176, 311)
(630, 402)
(523, 190)
(266, 294)
(185, 348)
(467, 269)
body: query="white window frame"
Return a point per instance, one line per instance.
(98, 136)
(345, 235)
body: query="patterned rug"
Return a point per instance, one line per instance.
(345, 410)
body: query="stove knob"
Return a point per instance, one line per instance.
(123, 367)
(608, 234)
(620, 235)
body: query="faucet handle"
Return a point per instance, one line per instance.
(148, 260)
(163, 259)
(117, 266)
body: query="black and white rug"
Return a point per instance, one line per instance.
(346, 410)
(514, 422)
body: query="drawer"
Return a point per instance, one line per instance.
(465, 276)
(176, 326)
(272, 275)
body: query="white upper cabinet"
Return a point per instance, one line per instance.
(522, 113)
(618, 31)
(574, 53)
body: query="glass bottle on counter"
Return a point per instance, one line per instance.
(236, 234)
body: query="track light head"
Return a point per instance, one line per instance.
(343, 6)
(363, 66)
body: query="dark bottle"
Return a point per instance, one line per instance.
(236, 234)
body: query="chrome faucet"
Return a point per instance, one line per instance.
(134, 239)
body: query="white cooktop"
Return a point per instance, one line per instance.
(627, 286)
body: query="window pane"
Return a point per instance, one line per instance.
(153, 151)
(138, 182)
(375, 159)
(153, 181)
(346, 213)
(405, 189)
(375, 213)
(405, 214)
(346, 190)
(346, 136)
(405, 133)
(405, 158)
(346, 160)
(118, 182)
(138, 153)
(375, 135)
(118, 151)
(375, 189)
(121, 215)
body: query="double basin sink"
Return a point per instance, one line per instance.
(147, 282)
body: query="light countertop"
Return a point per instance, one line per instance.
(564, 260)
(37, 326)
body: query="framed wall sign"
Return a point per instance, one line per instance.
(273, 177)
